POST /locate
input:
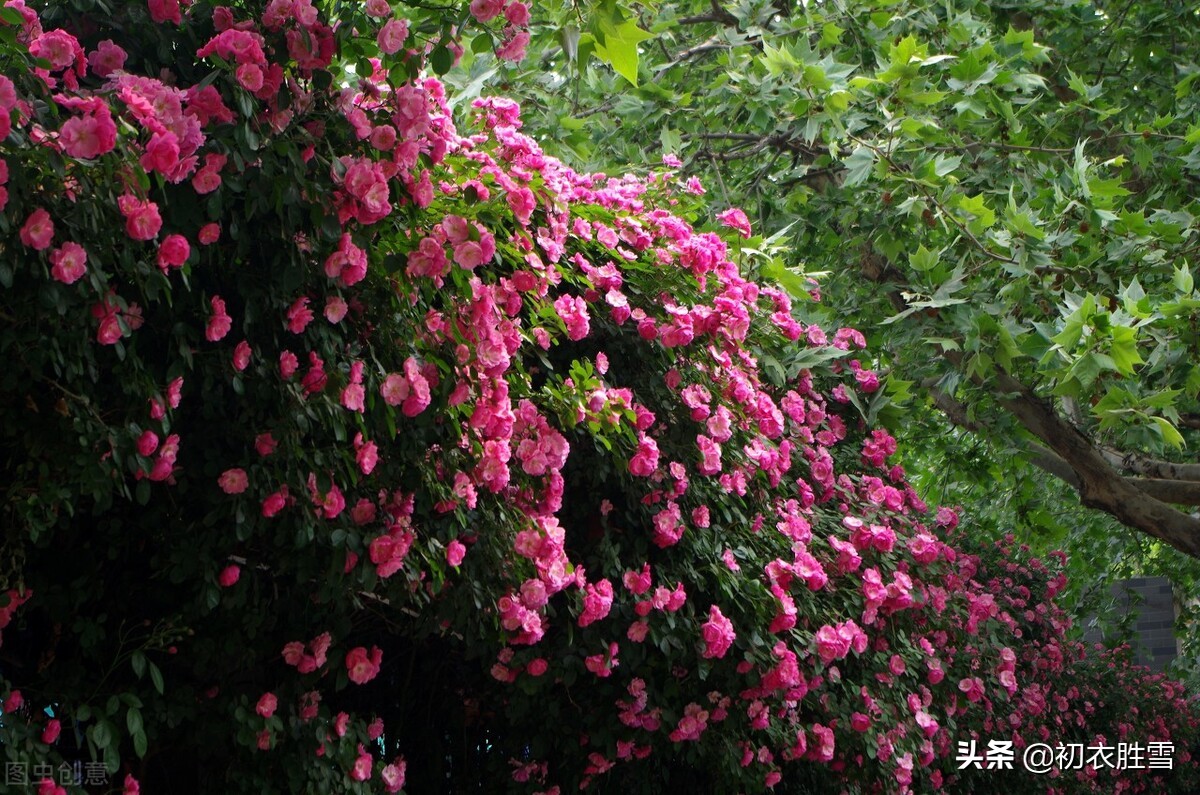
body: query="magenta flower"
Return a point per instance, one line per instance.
(736, 220)
(219, 322)
(173, 252)
(229, 576)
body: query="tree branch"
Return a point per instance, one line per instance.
(1170, 491)
(1099, 485)
(717, 14)
(1149, 467)
(1140, 503)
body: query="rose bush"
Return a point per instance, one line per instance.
(348, 450)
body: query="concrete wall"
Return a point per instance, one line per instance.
(1155, 642)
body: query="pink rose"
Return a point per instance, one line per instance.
(455, 552)
(241, 356)
(394, 389)
(90, 135)
(209, 234)
(233, 481)
(288, 364)
(165, 11)
(106, 58)
(173, 252)
(229, 576)
(718, 634)
(335, 309)
(273, 504)
(38, 230)
(219, 322)
(393, 775)
(299, 315)
(51, 732)
(147, 443)
(736, 220)
(362, 765)
(69, 263)
(266, 705)
(161, 153)
(484, 10)
(392, 35)
(517, 14)
(360, 666)
(142, 221)
(250, 76)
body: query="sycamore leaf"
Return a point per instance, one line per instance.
(619, 49)
(1169, 433)
(924, 260)
(1183, 279)
(858, 165)
(1124, 351)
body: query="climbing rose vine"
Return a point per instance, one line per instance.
(348, 448)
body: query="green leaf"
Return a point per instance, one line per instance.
(1183, 279)
(1124, 350)
(568, 37)
(619, 49)
(981, 216)
(943, 165)
(133, 720)
(1021, 221)
(924, 260)
(482, 43)
(858, 166)
(441, 59)
(156, 677)
(102, 734)
(1169, 433)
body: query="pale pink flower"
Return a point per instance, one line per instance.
(69, 263)
(299, 315)
(106, 58)
(361, 666)
(209, 234)
(392, 35)
(335, 309)
(38, 230)
(233, 481)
